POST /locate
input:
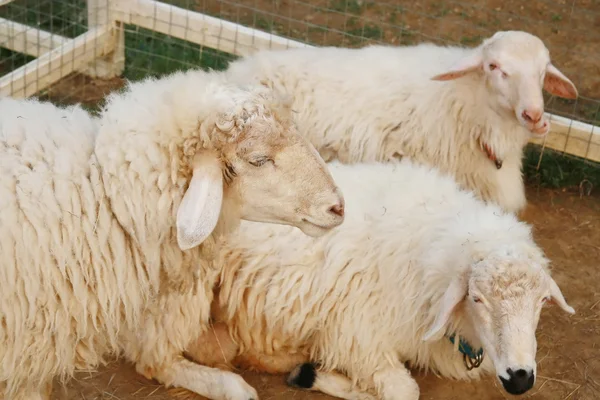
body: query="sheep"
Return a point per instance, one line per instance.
(467, 111)
(108, 225)
(417, 263)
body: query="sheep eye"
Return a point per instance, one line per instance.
(494, 67)
(259, 162)
(476, 299)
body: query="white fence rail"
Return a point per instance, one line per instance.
(50, 67)
(100, 53)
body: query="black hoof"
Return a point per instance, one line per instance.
(303, 376)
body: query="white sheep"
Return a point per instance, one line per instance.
(416, 261)
(469, 112)
(108, 226)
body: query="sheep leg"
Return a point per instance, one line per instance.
(214, 348)
(279, 363)
(396, 384)
(209, 382)
(306, 376)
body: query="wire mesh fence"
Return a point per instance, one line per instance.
(570, 29)
(58, 18)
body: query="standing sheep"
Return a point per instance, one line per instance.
(108, 226)
(469, 112)
(416, 264)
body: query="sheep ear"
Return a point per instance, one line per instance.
(200, 207)
(556, 83)
(454, 294)
(558, 298)
(468, 64)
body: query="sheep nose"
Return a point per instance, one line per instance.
(519, 381)
(533, 115)
(337, 209)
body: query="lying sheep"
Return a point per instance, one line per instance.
(108, 227)
(417, 264)
(469, 112)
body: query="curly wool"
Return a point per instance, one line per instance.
(90, 265)
(360, 298)
(353, 109)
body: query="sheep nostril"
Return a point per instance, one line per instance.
(338, 209)
(521, 373)
(534, 115)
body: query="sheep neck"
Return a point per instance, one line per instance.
(494, 130)
(489, 152)
(471, 358)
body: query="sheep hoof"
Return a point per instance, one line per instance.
(237, 388)
(303, 376)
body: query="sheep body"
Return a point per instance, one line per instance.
(380, 103)
(75, 287)
(91, 265)
(49, 198)
(360, 299)
(362, 274)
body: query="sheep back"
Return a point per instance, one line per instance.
(50, 227)
(379, 103)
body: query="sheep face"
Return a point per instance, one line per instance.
(504, 302)
(260, 161)
(502, 299)
(280, 178)
(516, 66)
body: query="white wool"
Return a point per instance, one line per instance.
(360, 299)
(76, 287)
(90, 262)
(380, 103)
(52, 301)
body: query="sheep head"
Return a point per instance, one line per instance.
(258, 158)
(515, 66)
(501, 299)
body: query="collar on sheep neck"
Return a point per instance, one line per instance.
(472, 359)
(489, 152)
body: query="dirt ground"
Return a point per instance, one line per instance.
(566, 225)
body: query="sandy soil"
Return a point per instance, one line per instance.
(566, 225)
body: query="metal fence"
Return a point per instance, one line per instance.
(78, 50)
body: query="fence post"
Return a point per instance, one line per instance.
(99, 13)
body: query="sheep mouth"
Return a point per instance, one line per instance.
(325, 227)
(538, 130)
(315, 230)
